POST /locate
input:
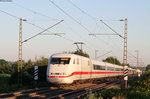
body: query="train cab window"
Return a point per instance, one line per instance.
(60, 61)
(77, 60)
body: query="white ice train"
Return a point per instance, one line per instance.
(67, 68)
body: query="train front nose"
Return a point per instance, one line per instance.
(55, 80)
(57, 73)
(59, 80)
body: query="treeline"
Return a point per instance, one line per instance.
(12, 80)
(6, 67)
(115, 61)
(11, 67)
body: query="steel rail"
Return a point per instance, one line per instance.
(56, 92)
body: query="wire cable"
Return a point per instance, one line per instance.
(33, 11)
(24, 21)
(10, 14)
(81, 10)
(69, 16)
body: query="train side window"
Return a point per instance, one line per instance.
(98, 67)
(77, 60)
(117, 69)
(74, 61)
(110, 68)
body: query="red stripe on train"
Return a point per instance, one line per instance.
(84, 73)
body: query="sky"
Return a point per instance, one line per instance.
(81, 17)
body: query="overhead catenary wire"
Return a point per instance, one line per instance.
(34, 25)
(42, 31)
(84, 12)
(132, 55)
(112, 29)
(69, 16)
(24, 21)
(73, 17)
(66, 38)
(39, 26)
(10, 14)
(32, 11)
(81, 9)
(91, 48)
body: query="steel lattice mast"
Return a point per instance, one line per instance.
(20, 46)
(125, 43)
(20, 61)
(125, 50)
(125, 67)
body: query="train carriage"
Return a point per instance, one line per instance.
(66, 68)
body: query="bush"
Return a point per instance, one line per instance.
(110, 93)
(4, 78)
(27, 76)
(140, 89)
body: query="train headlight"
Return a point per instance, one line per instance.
(58, 73)
(64, 74)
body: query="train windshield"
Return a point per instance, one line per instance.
(60, 60)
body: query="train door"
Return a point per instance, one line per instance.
(81, 68)
(86, 67)
(106, 70)
(91, 68)
(84, 71)
(78, 67)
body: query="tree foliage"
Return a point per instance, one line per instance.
(148, 67)
(5, 67)
(11, 67)
(80, 52)
(139, 89)
(112, 60)
(42, 61)
(2, 62)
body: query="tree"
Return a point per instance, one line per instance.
(5, 67)
(41, 62)
(112, 60)
(2, 61)
(80, 52)
(29, 64)
(148, 67)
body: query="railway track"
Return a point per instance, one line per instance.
(74, 91)
(83, 92)
(57, 93)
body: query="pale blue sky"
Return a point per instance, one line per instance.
(83, 17)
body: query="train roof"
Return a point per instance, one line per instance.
(66, 55)
(93, 61)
